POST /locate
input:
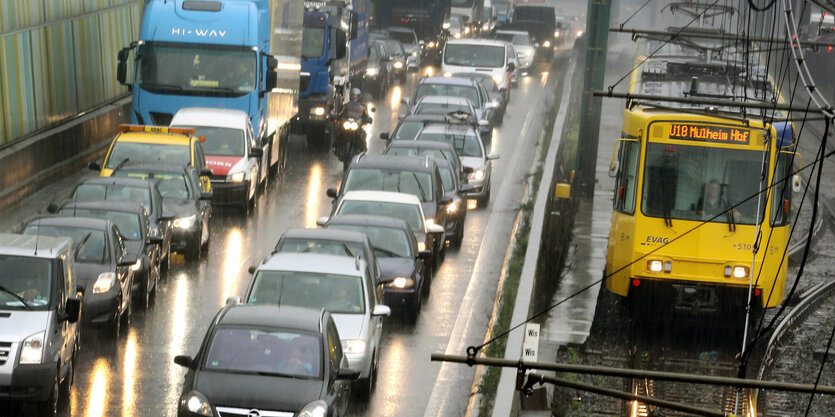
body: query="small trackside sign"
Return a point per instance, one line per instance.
(530, 344)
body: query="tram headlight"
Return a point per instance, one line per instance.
(655, 265)
(740, 272)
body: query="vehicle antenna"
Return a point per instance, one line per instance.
(37, 236)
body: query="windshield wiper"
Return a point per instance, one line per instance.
(386, 252)
(160, 86)
(420, 187)
(17, 297)
(80, 244)
(121, 164)
(347, 250)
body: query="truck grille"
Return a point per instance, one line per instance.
(304, 81)
(5, 351)
(246, 412)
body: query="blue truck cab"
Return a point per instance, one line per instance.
(228, 54)
(334, 48)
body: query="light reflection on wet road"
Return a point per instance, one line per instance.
(136, 376)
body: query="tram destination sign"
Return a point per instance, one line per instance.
(704, 133)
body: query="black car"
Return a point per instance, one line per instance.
(495, 95)
(436, 150)
(266, 360)
(133, 190)
(103, 267)
(331, 242)
(398, 58)
(456, 210)
(458, 87)
(403, 266)
(137, 235)
(418, 176)
(184, 198)
(378, 69)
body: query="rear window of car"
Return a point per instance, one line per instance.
(87, 192)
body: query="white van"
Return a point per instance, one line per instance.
(481, 56)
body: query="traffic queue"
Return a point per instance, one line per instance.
(308, 327)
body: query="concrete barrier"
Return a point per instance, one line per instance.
(32, 162)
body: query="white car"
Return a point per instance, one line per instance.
(230, 150)
(339, 284)
(479, 55)
(471, 151)
(523, 44)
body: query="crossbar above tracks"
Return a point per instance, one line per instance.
(709, 35)
(709, 102)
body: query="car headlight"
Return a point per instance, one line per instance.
(498, 78)
(32, 352)
(421, 246)
(485, 27)
(466, 29)
(353, 346)
(546, 44)
(398, 65)
(236, 177)
(478, 174)
(452, 207)
(105, 282)
(185, 222)
(372, 71)
(197, 403)
(557, 34)
(318, 111)
(416, 52)
(430, 44)
(317, 408)
(457, 36)
(403, 282)
(137, 266)
(445, 25)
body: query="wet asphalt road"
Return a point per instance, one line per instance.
(136, 376)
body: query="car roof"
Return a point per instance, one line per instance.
(125, 181)
(399, 162)
(267, 315)
(424, 117)
(444, 100)
(314, 263)
(381, 196)
(368, 220)
(323, 234)
(76, 222)
(105, 205)
(426, 144)
(210, 117)
(447, 80)
(401, 29)
(448, 128)
(487, 42)
(35, 246)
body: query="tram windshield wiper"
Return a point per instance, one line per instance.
(729, 212)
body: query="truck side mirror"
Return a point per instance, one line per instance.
(341, 44)
(354, 25)
(122, 66)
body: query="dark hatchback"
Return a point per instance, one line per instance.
(403, 268)
(137, 235)
(266, 360)
(103, 269)
(183, 197)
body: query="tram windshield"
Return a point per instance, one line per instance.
(702, 183)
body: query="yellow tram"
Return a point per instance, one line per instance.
(691, 204)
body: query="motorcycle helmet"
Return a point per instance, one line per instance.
(356, 94)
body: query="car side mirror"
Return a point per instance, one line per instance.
(446, 199)
(385, 136)
(155, 240)
(233, 300)
(331, 192)
(483, 123)
(491, 105)
(406, 101)
(465, 188)
(424, 254)
(184, 361)
(381, 310)
(492, 156)
(434, 228)
(256, 153)
(94, 165)
(347, 374)
(206, 172)
(206, 196)
(251, 269)
(52, 208)
(72, 309)
(321, 221)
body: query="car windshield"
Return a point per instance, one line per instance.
(395, 47)
(410, 213)
(169, 185)
(269, 351)
(28, 278)
(447, 178)
(90, 245)
(418, 184)
(472, 55)
(407, 38)
(196, 70)
(436, 108)
(140, 195)
(313, 42)
(468, 92)
(221, 141)
(339, 294)
(128, 223)
(700, 182)
(465, 145)
(327, 247)
(407, 130)
(387, 242)
(148, 152)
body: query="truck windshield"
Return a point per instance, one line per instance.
(196, 70)
(542, 14)
(700, 182)
(313, 42)
(28, 278)
(461, 3)
(471, 55)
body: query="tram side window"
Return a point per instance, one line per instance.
(627, 178)
(781, 192)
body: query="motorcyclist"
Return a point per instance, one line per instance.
(353, 109)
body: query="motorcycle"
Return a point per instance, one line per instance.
(350, 140)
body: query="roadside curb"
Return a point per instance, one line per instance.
(507, 402)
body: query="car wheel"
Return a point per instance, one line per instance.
(456, 242)
(205, 236)
(145, 292)
(166, 265)
(68, 380)
(413, 313)
(49, 407)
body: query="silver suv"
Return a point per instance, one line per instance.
(39, 311)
